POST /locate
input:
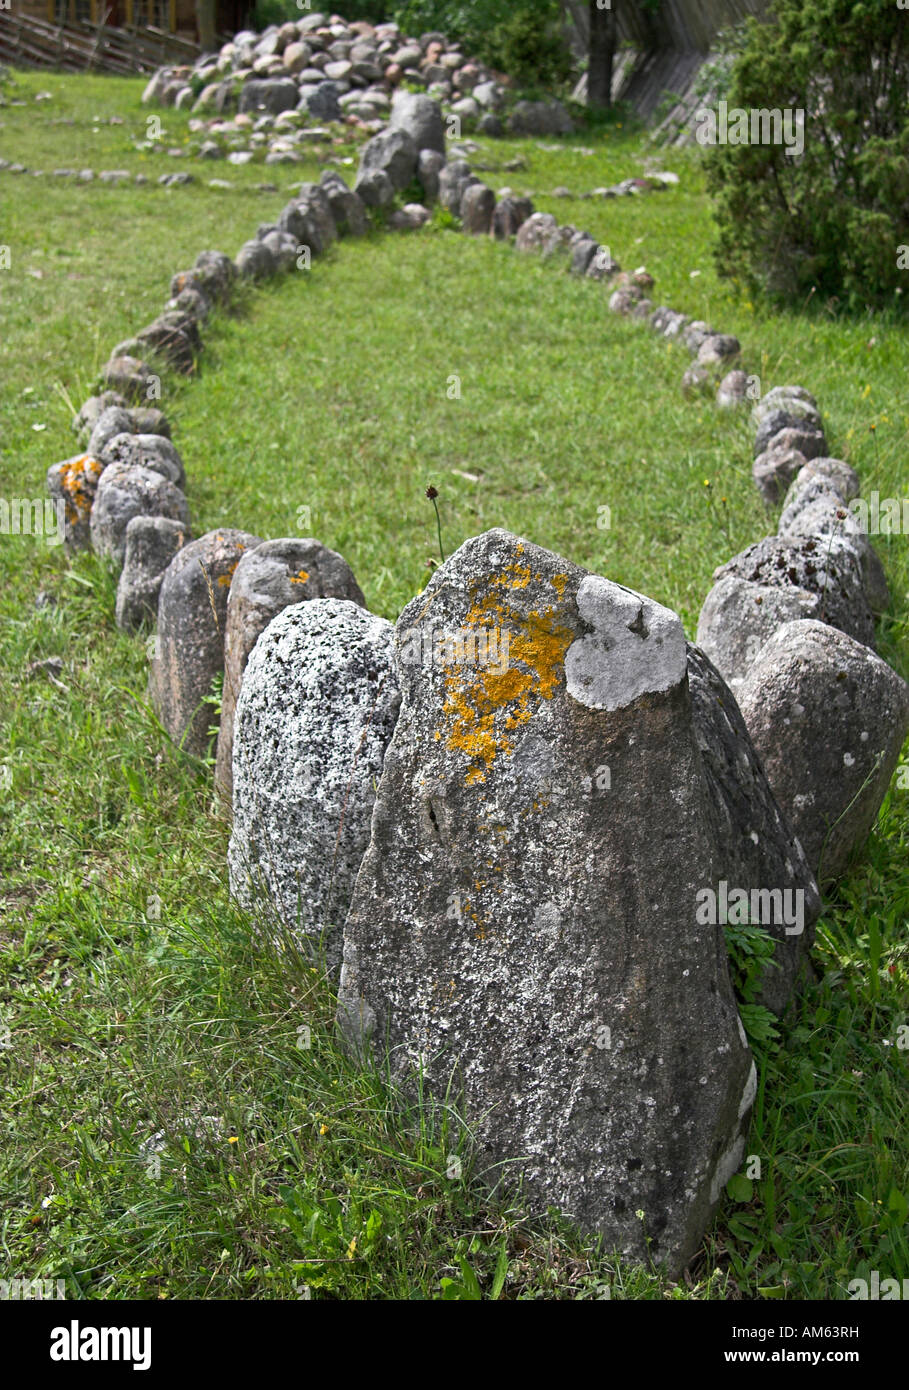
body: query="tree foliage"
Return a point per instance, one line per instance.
(833, 219)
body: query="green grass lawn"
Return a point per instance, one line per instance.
(135, 997)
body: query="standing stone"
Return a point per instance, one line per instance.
(825, 473)
(267, 580)
(509, 217)
(773, 471)
(821, 565)
(453, 180)
(374, 188)
(192, 616)
(113, 421)
(739, 616)
(429, 166)
(347, 209)
(807, 439)
(93, 409)
(316, 711)
(74, 483)
(394, 153)
(821, 511)
(421, 118)
(732, 390)
(524, 919)
(540, 232)
(149, 451)
(477, 207)
(126, 490)
(828, 718)
(309, 219)
(760, 851)
(256, 261)
(151, 544)
(718, 349)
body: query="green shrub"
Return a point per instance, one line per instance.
(832, 219)
(523, 38)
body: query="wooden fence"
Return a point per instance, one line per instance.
(27, 42)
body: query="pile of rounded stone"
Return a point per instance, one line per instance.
(331, 69)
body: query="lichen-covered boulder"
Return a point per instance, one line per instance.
(126, 490)
(828, 718)
(73, 484)
(316, 710)
(524, 924)
(192, 614)
(821, 511)
(268, 579)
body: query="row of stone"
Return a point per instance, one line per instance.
(435, 802)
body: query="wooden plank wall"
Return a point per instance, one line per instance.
(29, 42)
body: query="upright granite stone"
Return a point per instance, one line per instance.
(148, 451)
(828, 718)
(267, 580)
(192, 616)
(316, 710)
(524, 921)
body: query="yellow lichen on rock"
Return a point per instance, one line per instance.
(485, 706)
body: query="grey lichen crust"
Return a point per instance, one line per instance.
(315, 713)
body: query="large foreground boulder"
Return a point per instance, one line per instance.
(316, 710)
(192, 612)
(828, 718)
(525, 921)
(267, 580)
